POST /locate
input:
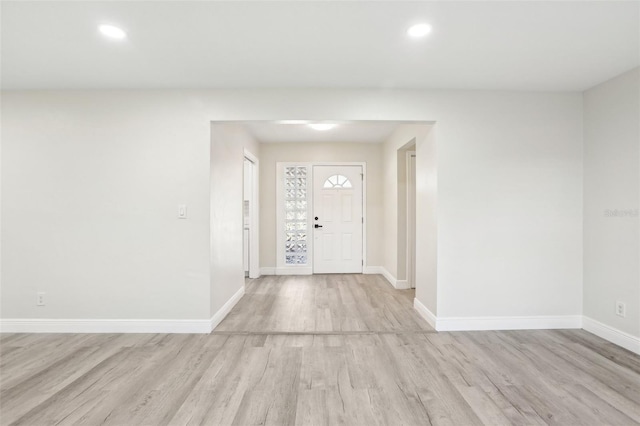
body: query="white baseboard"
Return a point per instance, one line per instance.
(267, 270)
(30, 325)
(217, 318)
(397, 284)
(372, 270)
(388, 276)
(611, 334)
(509, 323)
(368, 270)
(425, 313)
(176, 326)
(286, 270)
(294, 270)
(604, 331)
(497, 323)
(402, 285)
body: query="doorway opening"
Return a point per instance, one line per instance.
(250, 217)
(397, 236)
(406, 218)
(411, 219)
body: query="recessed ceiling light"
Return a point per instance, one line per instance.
(419, 30)
(112, 32)
(322, 126)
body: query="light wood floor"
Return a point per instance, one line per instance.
(311, 355)
(323, 303)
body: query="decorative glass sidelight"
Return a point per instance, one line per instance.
(295, 205)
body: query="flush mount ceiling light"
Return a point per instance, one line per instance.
(112, 32)
(419, 30)
(322, 126)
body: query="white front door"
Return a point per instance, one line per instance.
(337, 219)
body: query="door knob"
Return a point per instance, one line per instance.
(317, 226)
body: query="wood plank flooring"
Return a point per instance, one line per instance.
(324, 303)
(368, 363)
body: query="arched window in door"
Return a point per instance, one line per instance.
(337, 182)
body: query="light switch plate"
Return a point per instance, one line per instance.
(182, 211)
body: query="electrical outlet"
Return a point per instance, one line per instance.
(621, 309)
(40, 298)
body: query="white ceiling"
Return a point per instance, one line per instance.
(515, 45)
(357, 131)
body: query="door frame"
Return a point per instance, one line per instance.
(281, 267)
(254, 219)
(411, 225)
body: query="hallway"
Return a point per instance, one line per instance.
(323, 303)
(321, 350)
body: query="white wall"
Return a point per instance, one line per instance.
(612, 182)
(427, 220)
(509, 195)
(271, 153)
(91, 183)
(228, 142)
(510, 205)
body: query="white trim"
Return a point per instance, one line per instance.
(396, 283)
(411, 230)
(294, 270)
(509, 323)
(425, 313)
(402, 285)
(371, 270)
(217, 318)
(497, 323)
(31, 325)
(611, 334)
(388, 276)
(267, 270)
(286, 270)
(177, 326)
(254, 227)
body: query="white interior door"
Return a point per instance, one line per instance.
(337, 219)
